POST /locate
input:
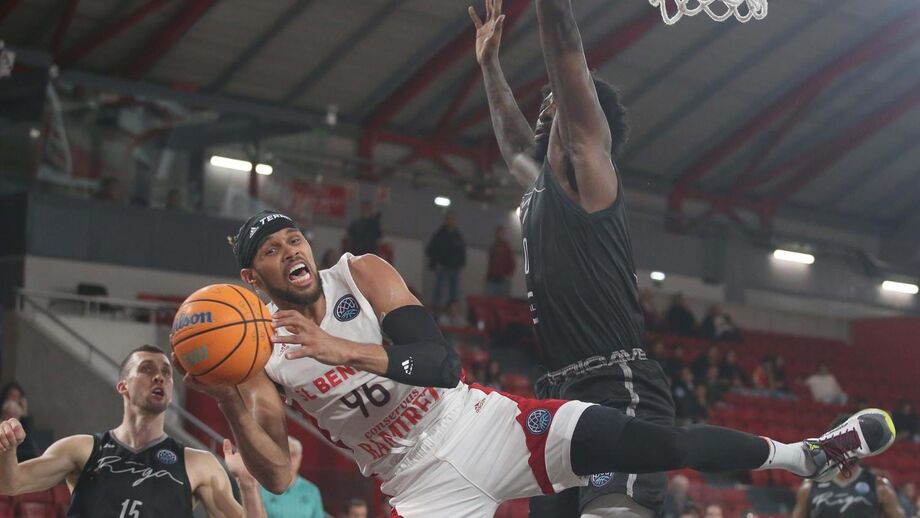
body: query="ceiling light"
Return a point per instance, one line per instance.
(900, 287)
(658, 276)
(264, 169)
(231, 163)
(442, 201)
(793, 257)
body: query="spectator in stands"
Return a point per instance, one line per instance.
(714, 386)
(501, 265)
(302, 499)
(907, 497)
(680, 319)
(713, 511)
(730, 373)
(683, 391)
(446, 253)
(364, 233)
(330, 257)
(173, 200)
(718, 325)
(108, 189)
(674, 364)
(712, 358)
(779, 375)
(356, 508)
(697, 407)
(15, 405)
(493, 375)
(650, 313)
(762, 377)
(691, 512)
(676, 500)
(905, 420)
(824, 387)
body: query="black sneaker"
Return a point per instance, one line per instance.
(865, 434)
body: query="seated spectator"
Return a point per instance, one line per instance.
(493, 375)
(718, 325)
(824, 387)
(905, 420)
(356, 508)
(680, 319)
(691, 512)
(907, 497)
(697, 408)
(682, 392)
(713, 511)
(673, 365)
(730, 373)
(779, 375)
(330, 257)
(501, 265)
(712, 358)
(762, 377)
(15, 405)
(650, 313)
(364, 233)
(714, 386)
(676, 500)
(302, 499)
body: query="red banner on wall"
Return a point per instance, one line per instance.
(303, 200)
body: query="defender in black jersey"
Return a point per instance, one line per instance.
(862, 494)
(581, 282)
(134, 470)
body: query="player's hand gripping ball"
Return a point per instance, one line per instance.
(220, 335)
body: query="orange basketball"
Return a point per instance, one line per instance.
(221, 334)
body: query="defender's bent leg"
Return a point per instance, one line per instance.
(605, 439)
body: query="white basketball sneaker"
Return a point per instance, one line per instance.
(865, 434)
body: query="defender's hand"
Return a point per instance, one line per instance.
(488, 32)
(218, 392)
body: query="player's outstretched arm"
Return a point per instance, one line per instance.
(513, 133)
(583, 127)
(888, 499)
(213, 485)
(802, 504)
(419, 355)
(63, 458)
(255, 413)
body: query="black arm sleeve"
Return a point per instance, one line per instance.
(420, 355)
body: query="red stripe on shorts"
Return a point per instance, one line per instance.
(536, 439)
(394, 514)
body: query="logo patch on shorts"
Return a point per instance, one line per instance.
(167, 457)
(346, 308)
(538, 421)
(601, 479)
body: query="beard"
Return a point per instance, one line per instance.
(294, 298)
(152, 407)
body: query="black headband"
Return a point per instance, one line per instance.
(254, 231)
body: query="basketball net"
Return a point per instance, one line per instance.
(742, 10)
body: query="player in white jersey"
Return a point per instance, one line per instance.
(441, 447)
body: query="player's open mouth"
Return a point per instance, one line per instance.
(299, 275)
(158, 392)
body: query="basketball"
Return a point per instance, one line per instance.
(221, 334)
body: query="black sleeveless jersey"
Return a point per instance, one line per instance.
(581, 282)
(856, 499)
(118, 482)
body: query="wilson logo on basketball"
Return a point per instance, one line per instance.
(183, 321)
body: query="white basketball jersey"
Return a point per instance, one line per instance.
(367, 414)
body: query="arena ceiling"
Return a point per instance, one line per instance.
(814, 108)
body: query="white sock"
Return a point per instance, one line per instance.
(790, 457)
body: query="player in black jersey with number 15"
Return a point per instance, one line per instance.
(135, 470)
(581, 282)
